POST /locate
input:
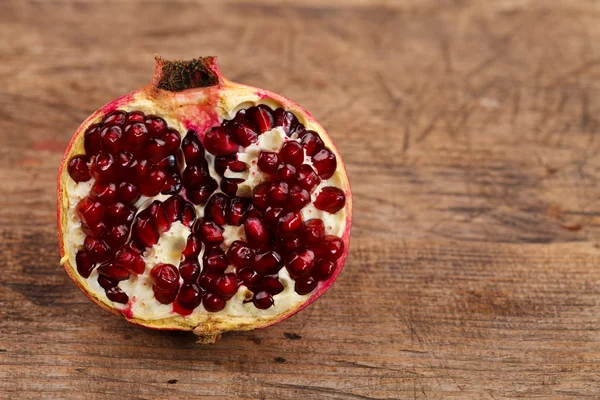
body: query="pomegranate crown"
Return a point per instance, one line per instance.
(176, 76)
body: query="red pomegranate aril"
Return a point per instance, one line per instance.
(135, 116)
(199, 196)
(215, 208)
(312, 232)
(213, 303)
(256, 232)
(285, 119)
(312, 143)
(271, 216)
(141, 168)
(305, 285)
(229, 186)
(168, 163)
(307, 177)
(243, 134)
(165, 296)
(289, 223)
(172, 208)
(226, 286)
(189, 271)
(292, 153)
(103, 167)
(155, 124)
(96, 230)
(130, 259)
(114, 273)
(98, 250)
(301, 263)
(298, 198)
(263, 300)
(278, 193)
(331, 247)
(192, 149)
(144, 233)
(111, 137)
(325, 163)
(240, 116)
(253, 212)
(135, 135)
(208, 232)
(158, 217)
(116, 235)
(78, 169)
(165, 276)
(288, 244)
(172, 140)
(155, 149)
(286, 172)
(190, 296)
(272, 285)
(260, 197)
(105, 193)
(331, 200)
(128, 193)
(188, 214)
(222, 163)
(236, 212)
(207, 280)
(268, 162)
(240, 254)
(195, 176)
(218, 142)
(215, 260)
(192, 247)
(323, 269)
(124, 163)
(115, 294)
(106, 283)
(262, 117)
(90, 211)
(152, 183)
(249, 278)
(84, 263)
(114, 118)
(92, 141)
(269, 262)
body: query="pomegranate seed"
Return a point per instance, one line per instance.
(226, 286)
(165, 296)
(300, 263)
(290, 222)
(190, 296)
(172, 208)
(199, 196)
(195, 176)
(269, 262)
(103, 168)
(105, 193)
(252, 212)
(78, 169)
(188, 214)
(218, 142)
(114, 118)
(229, 186)
(124, 163)
(135, 116)
(135, 135)
(130, 259)
(158, 216)
(323, 270)
(117, 213)
(307, 177)
(312, 143)
(140, 170)
(262, 117)
(213, 303)
(96, 230)
(331, 199)
(215, 208)
(215, 260)
(144, 232)
(155, 149)
(152, 183)
(285, 119)
(256, 232)
(192, 247)
(155, 124)
(224, 162)
(278, 193)
(325, 163)
(165, 276)
(90, 211)
(268, 162)
(128, 193)
(92, 141)
(207, 280)
(271, 216)
(288, 244)
(312, 232)
(240, 254)
(272, 285)
(189, 271)
(259, 195)
(116, 295)
(208, 232)
(84, 263)
(107, 283)
(192, 149)
(298, 198)
(249, 278)
(116, 235)
(263, 300)
(240, 116)
(236, 212)
(242, 134)
(111, 136)
(331, 248)
(172, 140)
(292, 153)
(114, 273)
(305, 285)
(286, 172)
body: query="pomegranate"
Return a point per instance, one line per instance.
(196, 203)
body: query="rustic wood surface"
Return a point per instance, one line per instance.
(470, 133)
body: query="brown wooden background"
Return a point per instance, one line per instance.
(470, 131)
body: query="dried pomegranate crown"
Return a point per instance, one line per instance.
(196, 203)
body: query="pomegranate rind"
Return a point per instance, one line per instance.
(197, 109)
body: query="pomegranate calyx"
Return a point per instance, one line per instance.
(176, 76)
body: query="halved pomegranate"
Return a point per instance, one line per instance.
(200, 204)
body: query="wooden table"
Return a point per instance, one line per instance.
(470, 133)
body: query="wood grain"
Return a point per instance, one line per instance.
(470, 133)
